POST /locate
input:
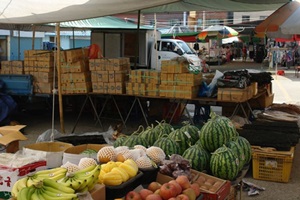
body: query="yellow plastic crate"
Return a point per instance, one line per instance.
(272, 165)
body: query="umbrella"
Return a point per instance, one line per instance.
(282, 23)
(216, 32)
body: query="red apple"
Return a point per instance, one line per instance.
(133, 195)
(153, 186)
(144, 193)
(196, 188)
(183, 181)
(173, 198)
(182, 197)
(178, 187)
(153, 197)
(190, 193)
(167, 191)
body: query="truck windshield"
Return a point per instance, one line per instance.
(186, 49)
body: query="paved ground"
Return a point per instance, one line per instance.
(286, 89)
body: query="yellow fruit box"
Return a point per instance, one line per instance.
(271, 165)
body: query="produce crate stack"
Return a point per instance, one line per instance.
(75, 74)
(12, 67)
(109, 75)
(177, 81)
(40, 64)
(143, 82)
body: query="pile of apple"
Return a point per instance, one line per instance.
(178, 189)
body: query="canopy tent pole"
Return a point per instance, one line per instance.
(58, 64)
(73, 32)
(33, 37)
(19, 42)
(137, 46)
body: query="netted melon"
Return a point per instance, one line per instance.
(71, 167)
(86, 162)
(156, 154)
(144, 162)
(106, 154)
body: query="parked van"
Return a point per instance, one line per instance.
(167, 49)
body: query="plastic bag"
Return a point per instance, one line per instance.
(49, 136)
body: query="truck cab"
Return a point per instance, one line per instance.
(167, 49)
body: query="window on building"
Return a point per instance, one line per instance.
(199, 22)
(245, 18)
(262, 17)
(212, 22)
(174, 22)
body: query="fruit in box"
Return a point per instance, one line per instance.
(132, 195)
(168, 190)
(144, 193)
(154, 186)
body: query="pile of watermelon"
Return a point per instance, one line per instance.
(216, 147)
(229, 151)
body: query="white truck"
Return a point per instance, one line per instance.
(124, 43)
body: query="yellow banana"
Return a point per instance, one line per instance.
(52, 195)
(32, 180)
(58, 186)
(31, 190)
(22, 195)
(85, 171)
(18, 185)
(53, 171)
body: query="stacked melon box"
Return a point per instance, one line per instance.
(109, 75)
(75, 74)
(143, 82)
(177, 81)
(12, 67)
(40, 64)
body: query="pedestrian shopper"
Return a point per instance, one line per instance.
(244, 53)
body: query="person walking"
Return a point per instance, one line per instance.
(244, 50)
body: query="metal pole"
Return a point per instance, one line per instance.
(58, 61)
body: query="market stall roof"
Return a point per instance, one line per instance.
(218, 5)
(47, 11)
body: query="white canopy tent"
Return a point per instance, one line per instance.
(47, 11)
(21, 14)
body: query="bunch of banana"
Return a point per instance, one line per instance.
(47, 189)
(82, 180)
(34, 179)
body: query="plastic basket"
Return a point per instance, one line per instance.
(272, 165)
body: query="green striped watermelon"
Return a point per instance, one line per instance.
(168, 145)
(217, 131)
(237, 148)
(224, 163)
(150, 135)
(135, 139)
(120, 141)
(198, 157)
(244, 143)
(183, 139)
(163, 128)
(192, 130)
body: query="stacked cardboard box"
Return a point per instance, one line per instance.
(12, 67)
(40, 64)
(143, 82)
(75, 74)
(109, 76)
(177, 81)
